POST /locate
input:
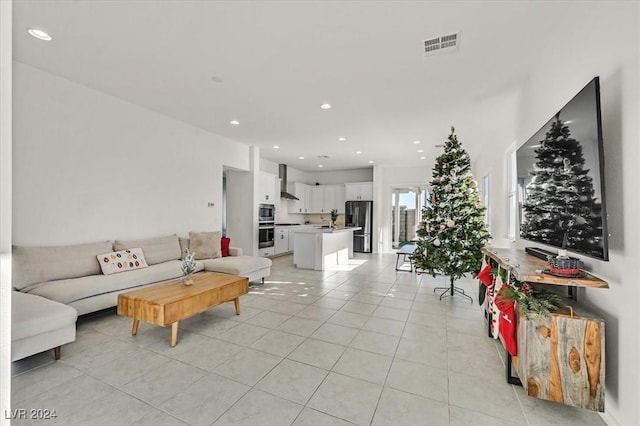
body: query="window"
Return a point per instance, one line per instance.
(512, 193)
(406, 213)
(484, 199)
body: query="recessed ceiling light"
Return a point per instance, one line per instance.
(342, 139)
(234, 122)
(301, 158)
(370, 161)
(421, 150)
(416, 142)
(276, 147)
(320, 165)
(325, 106)
(39, 34)
(422, 158)
(358, 152)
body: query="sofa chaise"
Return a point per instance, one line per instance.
(39, 324)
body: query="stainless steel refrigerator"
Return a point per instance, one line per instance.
(360, 213)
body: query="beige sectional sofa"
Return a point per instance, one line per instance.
(50, 280)
(71, 274)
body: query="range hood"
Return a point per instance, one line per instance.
(282, 174)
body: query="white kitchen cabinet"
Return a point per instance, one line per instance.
(339, 198)
(267, 188)
(307, 198)
(281, 240)
(317, 204)
(299, 190)
(321, 199)
(329, 198)
(360, 191)
(333, 198)
(278, 200)
(325, 198)
(266, 252)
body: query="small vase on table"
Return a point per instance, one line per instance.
(188, 267)
(187, 279)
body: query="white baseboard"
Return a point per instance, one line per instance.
(609, 419)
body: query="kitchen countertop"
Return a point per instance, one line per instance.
(319, 230)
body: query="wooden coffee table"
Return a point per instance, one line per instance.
(170, 302)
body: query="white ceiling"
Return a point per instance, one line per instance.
(271, 64)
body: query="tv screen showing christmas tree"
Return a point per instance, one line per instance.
(561, 179)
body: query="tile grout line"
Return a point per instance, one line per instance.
(393, 358)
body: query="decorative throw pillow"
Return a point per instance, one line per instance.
(205, 245)
(120, 261)
(224, 243)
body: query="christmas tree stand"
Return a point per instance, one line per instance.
(451, 291)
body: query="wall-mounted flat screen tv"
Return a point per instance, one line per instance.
(561, 179)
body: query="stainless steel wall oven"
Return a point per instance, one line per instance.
(266, 234)
(266, 213)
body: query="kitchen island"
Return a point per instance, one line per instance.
(322, 248)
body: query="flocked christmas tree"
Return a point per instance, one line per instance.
(452, 230)
(560, 208)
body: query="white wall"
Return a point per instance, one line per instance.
(619, 305)
(5, 206)
(242, 206)
(88, 166)
(554, 80)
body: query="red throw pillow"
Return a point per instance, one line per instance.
(224, 242)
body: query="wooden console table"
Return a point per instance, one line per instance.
(525, 267)
(560, 358)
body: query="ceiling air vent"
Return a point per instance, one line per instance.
(442, 44)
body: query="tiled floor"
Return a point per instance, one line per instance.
(364, 346)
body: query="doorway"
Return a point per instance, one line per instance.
(406, 210)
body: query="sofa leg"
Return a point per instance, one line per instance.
(56, 352)
(254, 283)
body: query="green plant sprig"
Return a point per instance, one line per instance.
(188, 264)
(531, 298)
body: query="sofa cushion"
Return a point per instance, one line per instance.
(184, 245)
(121, 261)
(236, 265)
(155, 250)
(205, 245)
(235, 251)
(32, 315)
(67, 291)
(37, 264)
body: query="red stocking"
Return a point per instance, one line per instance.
(507, 324)
(485, 276)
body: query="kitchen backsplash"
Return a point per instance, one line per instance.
(323, 219)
